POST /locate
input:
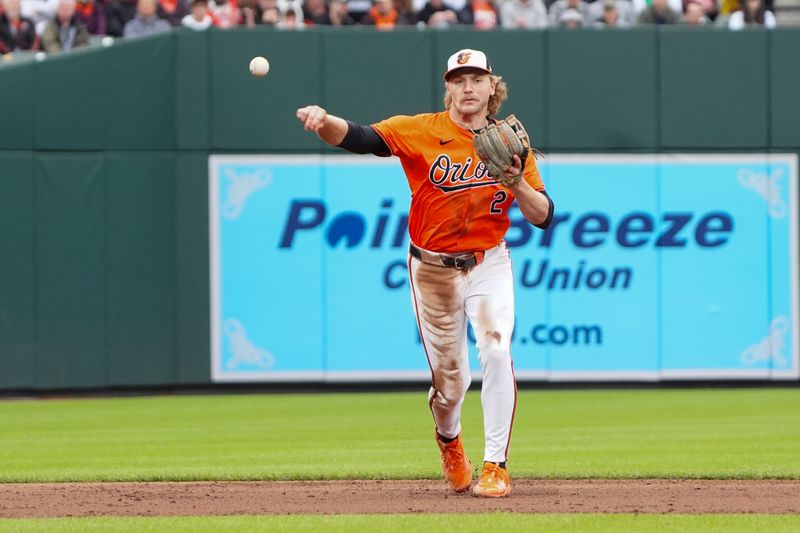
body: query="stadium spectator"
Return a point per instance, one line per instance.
(265, 12)
(659, 12)
(455, 5)
(480, 14)
(40, 12)
(751, 13)
(358, 8)
(315, 13)
(3, 50)
(384, 16)
(406, 10)
(93, 15)
(726, 7)
(198, 19)
(621, 12)
(694, 15)
(609, 17)
(709, 7)
(119, 13)
(64, 32)
(523, 14)
(641, 5)
(173, 11)
(16, 32)
(146, 21)
(338, 14)
(438, 14)
(226, 13)
(571, 19)
(560, 6)
(248, 12)
(291, 17)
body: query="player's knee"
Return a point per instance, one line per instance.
(494, 356)
(493, 340)
(450, 399)
(452, 391)
(466, 380)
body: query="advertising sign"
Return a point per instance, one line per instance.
(655, 267)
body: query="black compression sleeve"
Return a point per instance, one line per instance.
(364, 140)
(546, 223)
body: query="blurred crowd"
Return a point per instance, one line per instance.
(58, 25)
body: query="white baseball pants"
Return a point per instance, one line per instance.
(444, 299)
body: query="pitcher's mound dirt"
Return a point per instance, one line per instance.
(334, 497)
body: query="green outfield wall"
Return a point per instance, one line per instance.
(104, 157)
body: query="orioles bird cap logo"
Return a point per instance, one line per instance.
(463, 58)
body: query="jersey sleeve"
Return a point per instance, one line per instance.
(531, 173)
(398, 133)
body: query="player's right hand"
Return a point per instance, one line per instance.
(313, 117)
(515, 169)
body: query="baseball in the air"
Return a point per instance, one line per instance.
(259, 66)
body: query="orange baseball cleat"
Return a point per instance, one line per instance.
(493, 483)
(455, 465)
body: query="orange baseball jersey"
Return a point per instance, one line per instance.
(455, 205)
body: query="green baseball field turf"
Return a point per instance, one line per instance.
(695, 433)
(715, 433)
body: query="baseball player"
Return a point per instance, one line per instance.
(459, 267)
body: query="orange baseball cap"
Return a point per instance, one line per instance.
(468, 58)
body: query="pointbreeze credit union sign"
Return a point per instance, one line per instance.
(655, 267)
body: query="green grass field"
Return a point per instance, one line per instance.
(716, 433)
(741, 433)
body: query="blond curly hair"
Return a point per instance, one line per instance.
(495, 101)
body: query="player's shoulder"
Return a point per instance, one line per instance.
(405, 125)
(433, 118)
(421, 118)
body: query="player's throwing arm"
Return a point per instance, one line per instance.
(330, 129)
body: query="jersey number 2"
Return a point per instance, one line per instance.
(499, 198)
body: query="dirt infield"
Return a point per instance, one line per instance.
(335, 497)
